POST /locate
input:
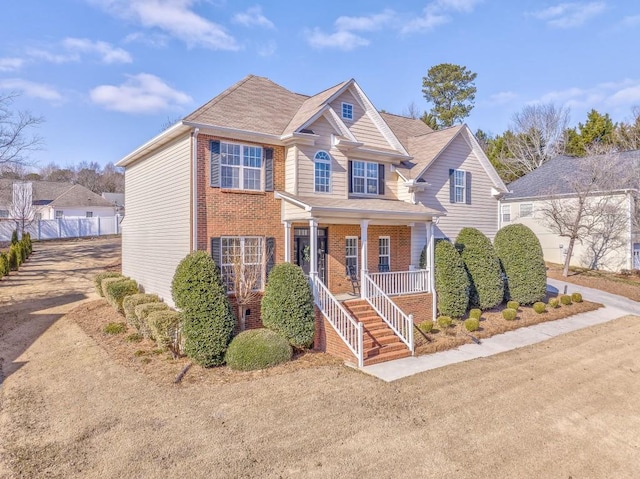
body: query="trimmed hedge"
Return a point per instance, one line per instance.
(142, 312)
(452, 281)
(539, 307)
(257, 349)
(164, 327)
(426, 326)
(554, 303)
(483, 267)
(471, 324)
(444, 322)
(475, 313)
(116, 291)
(513, 305)
(576, 297)
(98, 278)
(129, 306)
(522, 261)
(4, 264)
(565, 300)
(14, 237)
(287, 305)
(509, 314)
(197, 290)
(13, 258)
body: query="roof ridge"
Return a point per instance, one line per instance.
(219, 97)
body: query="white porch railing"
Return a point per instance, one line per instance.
(402, 282)
(396, 319)
(350, 330)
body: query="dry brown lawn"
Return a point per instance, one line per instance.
(627, 285)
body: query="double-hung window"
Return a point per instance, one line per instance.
(384, 253)
(322, 168)
(459, 185)
(242, 262)
(506, 213)
(526, 210)
(240, 166)
(347, 111)
(365, 177)
(351, 254)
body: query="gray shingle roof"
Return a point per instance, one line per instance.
(61, 195)
(552, 176)
(404, 127)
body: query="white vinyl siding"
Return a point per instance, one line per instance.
(482, 213)
(156, 232)
(291, 170)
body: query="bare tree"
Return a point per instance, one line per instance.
(412, 111)
(16, 139)
(588, 211)
(22, 209)
(535, 136)
(627, 135)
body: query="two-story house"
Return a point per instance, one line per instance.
(264, 175)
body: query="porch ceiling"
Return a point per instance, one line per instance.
(352, 210)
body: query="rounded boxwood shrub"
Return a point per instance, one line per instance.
(513, 305)
(164, 326)
(116, 291)
(522, 261)
(142, 312)
(426, 326)
(197, 290)
(483, 267)
(471, 324)
(539, 307)
(97, 280)
(287, 305)
(257, 349)
(554, 303)
(475, 313)
(452, 281)
(129, 306)
(576, 297)
(444, 322)
(565, 300)
(509, 314)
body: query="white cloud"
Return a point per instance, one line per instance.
(342, 40)
(253, 16)
(10, 64)
(569, 15)
(366, 23)
(156, 40)
(31, 89)
(466, 6)
(50, 57)
(174, 17)
(106, 51)
(436, 14)
(502, 98)
(610, 95)
(141, 93)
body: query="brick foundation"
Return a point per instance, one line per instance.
(420, 305)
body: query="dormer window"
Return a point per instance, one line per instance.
(347, 111)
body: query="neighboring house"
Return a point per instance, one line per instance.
(117, 199)
(615, 241)
(324, 181)
(47, 200)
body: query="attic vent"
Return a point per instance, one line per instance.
(308, 131)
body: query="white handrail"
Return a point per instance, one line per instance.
(396, 319)
(350, 330)
(402, 282)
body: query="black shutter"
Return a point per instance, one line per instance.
(467, 195)
(271, 254)
(268, 169)
(452, 186)
(380, 179)
(350, 176)
(215, 163)
(216, 251)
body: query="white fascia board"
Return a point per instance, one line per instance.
(235, 133)
(471, 140)
(164, 137)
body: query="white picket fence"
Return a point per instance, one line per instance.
(64, 228)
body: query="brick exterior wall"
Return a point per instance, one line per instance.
(420, 305)
(326, 339)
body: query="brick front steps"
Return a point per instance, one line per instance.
(380, 342)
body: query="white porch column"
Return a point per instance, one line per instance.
(313, 245)
(364, 256)
(287, 241)
(432, 266)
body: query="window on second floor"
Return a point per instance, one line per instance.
(347, 111)
(526, 210)
(322, 169)
(241, 167)
(366, 177)
(459, 186)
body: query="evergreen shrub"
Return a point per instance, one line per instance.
(208, 321)
(97, 280)
(4, 264)
(107, 281)
(513, 305)
(257, 349)
(287, 305)
(539, 307)
(426, 326)
(13, 258)
(14, 237)
(554, 302)
(129, 306)
(565, 300)
(576, 297)
(471, 324)
(483, 267)
(444, 322)
(164, 327)
(475, 313)
(509, 314)
(451, 280)
(116, 291)
(142, 311)
(522, 261)
(114, 328)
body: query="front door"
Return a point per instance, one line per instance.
(302, 253)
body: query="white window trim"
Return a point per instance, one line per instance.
(529, 215)
(388, 255)
(262, 262)
(365, 178)
(326, 161)
(502, 213)
(346, 241)
(462, 187)
(59, 214)
(242, 168)
(342, 110)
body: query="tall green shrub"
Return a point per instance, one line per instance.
(522, 261)
(4, 264)
(287, 305)
(13, 258)
(209, 322)
(129, 306)
(14, 237)
(483, 267)
(452, 282)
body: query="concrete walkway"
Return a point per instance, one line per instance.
(615, 307)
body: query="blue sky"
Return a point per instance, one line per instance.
(107, 74)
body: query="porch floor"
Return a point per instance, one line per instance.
(346, 296)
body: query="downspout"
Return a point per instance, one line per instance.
(432, 268)
(630, 224)
(194, 187)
